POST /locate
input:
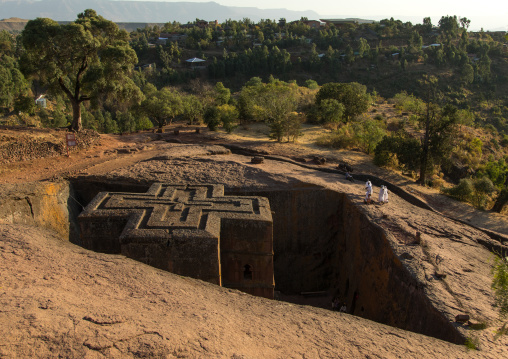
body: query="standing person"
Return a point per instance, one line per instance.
(368, 191)
(382, 194)
(385, 194)
(343, 308)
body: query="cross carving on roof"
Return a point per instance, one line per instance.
(191, 230)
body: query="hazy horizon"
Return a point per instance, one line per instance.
(490, 15)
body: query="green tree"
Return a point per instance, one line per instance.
(126, 122)
(437, 142)
(84, 60)
(363, 47)
(273, 103)
(368, 133)
(449, 25)
(12, 81)
(439, 126)
(222, 94)
(25, 104)
(276, 102)
(110, 125)
(228, 115)
(467, 74)
(162, 105)
(331, 111)
(352, 95)
(483, 68)
(192, 109)
(212, 117)
(465, 22)
(427, 24)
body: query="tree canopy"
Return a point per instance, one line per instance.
(88, 59)
(352, 95)
(273, 103)
(161, 105)
(12, 82)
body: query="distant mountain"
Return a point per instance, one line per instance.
(143, 11)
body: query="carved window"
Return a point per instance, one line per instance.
(247, 272)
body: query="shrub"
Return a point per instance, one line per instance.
(463, 191)
(344, 137)
(500, 286)
(212, 118)
(504, 141)
(368, 134)
(144, 123)
(311, 84)
(228, 115)
(437, 183)
(483, 188)
(399, 150)
(471, 343)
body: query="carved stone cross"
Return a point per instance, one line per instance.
(191, 230)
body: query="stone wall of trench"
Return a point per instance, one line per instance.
(323, 242)
(42, 204)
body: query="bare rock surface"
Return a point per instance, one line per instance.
(446, 246)
(59, 300)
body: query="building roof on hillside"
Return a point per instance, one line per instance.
(195, 59)
(347, 21)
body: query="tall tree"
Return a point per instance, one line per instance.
(84, 60)
(449, 25)
(12, 82)
(439, 125)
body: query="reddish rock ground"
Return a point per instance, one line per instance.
(57, 299)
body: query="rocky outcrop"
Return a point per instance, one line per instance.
(42, 204)
(31, 146)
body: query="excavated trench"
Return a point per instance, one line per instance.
(324, 247)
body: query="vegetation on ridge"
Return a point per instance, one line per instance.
(446, 84)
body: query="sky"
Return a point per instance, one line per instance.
(489, 14)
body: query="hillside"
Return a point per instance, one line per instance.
(142, 11)
(13, 24)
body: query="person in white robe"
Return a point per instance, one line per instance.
(382, 194)
(368, 191)
(385, 194)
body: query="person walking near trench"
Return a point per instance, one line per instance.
(368, 193)
(381, 194)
